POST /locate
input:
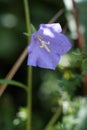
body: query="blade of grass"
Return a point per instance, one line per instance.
(56, 16)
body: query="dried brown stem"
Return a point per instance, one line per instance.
(14, 69)
(56, 16)
(80, 42)
(80, 36)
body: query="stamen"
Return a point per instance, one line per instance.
(43, 43)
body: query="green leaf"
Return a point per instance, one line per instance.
(77, 52)
(14, 83)
(84, 66)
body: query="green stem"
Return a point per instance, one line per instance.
(29, 103)
(54, 118)
(29, 96)
(27, 16)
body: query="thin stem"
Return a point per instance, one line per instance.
(54, 118)
(56, 16)
(29, 100)
(14, 69)
(80, 39)
(27, 16)
(29, 96)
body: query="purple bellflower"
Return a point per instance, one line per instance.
(47, 45)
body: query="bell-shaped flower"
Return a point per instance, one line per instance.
(47, 45)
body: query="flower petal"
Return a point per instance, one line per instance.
(54, 27)
(58, 44)
(32, 58)
(47, 45)
(38, 56)
(33, 50)
(48, 61)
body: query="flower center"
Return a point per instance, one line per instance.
(43, 43)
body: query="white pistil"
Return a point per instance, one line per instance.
(44, 44)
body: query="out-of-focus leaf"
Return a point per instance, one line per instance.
(84, 66)
(77, 52)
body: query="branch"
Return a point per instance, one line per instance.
(14, 69)
(80, 36)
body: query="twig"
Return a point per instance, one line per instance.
(54, 118)
(65, 28)
(14, 69)
(80, 36)
(80, 42)
(56, 16)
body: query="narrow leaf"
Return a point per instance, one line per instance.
(14, 83)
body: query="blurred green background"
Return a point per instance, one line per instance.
(51, 89)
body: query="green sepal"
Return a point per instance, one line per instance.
(33, 29)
